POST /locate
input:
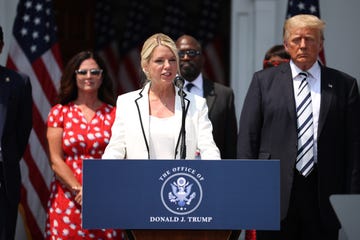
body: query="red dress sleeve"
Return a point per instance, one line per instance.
(56, 116)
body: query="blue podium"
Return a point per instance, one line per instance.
(173, 195)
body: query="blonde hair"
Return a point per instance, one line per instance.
(151, 43)
(303, 21)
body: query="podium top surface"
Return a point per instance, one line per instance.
(347, 209)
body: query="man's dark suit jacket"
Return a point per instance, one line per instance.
(267, 130)
(15, 126)
(220, 101)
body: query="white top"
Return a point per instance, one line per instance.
(130, 133)
(161, 142)
(314, 80)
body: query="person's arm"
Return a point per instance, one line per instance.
(206, 143)
(24, 115)
(58, 165)
(353, 116)
(116, 148)
(250, 125)
(231, 129)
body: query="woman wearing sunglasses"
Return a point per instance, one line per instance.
(78, 127)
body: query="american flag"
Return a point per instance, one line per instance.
(34, 51)
(296, 7)
(121, 47)
(211, 40)
(106, 45)
(133, 34)
(122, 58)
(173, 22)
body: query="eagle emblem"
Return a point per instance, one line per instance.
(181, 192)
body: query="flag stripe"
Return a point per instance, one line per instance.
(31, 224)
(37, 149)
(111, 60)
(32, 198)
(132, 65)
(36, 179)
(53, 68)
(126, 77)
(39, 126)
(119, 70)
(43, 77)
(22, 64)
(213, 67)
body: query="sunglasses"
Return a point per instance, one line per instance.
(191, 53)
(93, 72)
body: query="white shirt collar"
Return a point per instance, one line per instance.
(314, 71)
(198, 82)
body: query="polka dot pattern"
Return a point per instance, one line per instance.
(81, 140)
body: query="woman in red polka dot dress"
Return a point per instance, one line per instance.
(78, 128)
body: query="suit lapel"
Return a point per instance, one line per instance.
(142, 104)
(4, 97)
(178, 115)
(288, 89)
(209, 93)
(327, 92)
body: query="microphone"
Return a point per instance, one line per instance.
(179, 81)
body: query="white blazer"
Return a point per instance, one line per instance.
(130, 131)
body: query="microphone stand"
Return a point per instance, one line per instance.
(182, 130)
(179, 82)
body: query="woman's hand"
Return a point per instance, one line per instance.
(77, 191)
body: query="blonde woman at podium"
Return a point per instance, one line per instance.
(160, 120)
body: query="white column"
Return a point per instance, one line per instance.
(7, 17)
(256, 25)
(241, 49)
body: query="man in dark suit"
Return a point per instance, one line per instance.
(219, 98)
(268, 130)
(15, 127)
